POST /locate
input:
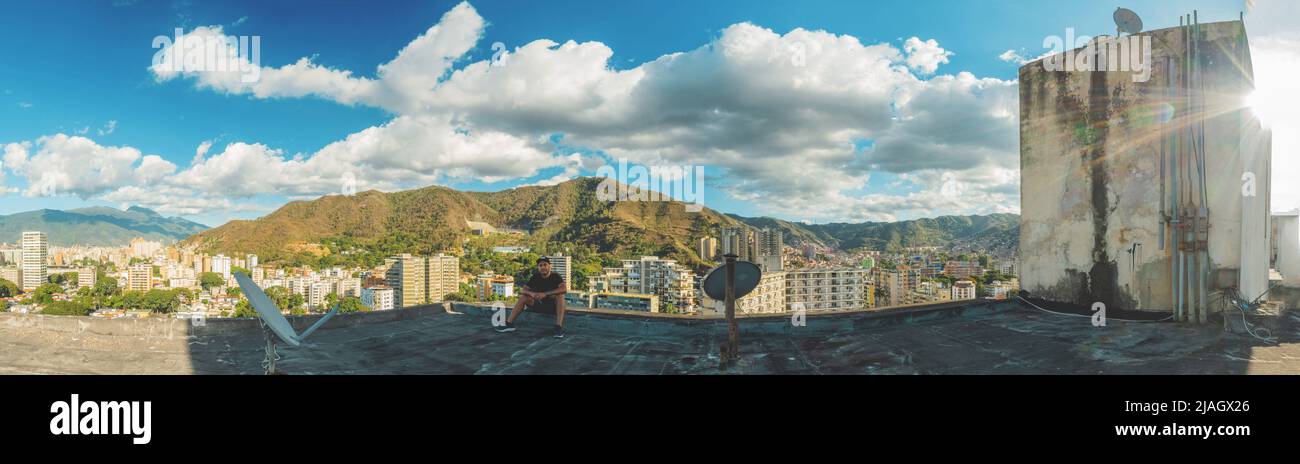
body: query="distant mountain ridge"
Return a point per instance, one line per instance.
(998, 233)
(97, 226)
(432, 219)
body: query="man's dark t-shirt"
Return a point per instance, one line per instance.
(544, 284)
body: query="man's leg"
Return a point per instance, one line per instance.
(559, 310)
(524, 300)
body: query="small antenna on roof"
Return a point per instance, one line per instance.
(1126, 21)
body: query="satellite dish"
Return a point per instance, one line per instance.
(1127, 21)
(273, 321)
(747, 276)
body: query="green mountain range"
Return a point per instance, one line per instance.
(99, 226)
(433, 219)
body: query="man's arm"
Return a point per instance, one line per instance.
(562, 289)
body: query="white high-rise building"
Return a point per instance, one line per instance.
(221, 265)
(739, 241)
(673, 283)
(562, 265)
(444, 276)
(139, 277)
(86, 277)
(963, 290)
(316, 293)
(251, 261)
(378, 297)
(768, 246)
(767, 298)
(35, 253)
(835, 289)
(419, 280)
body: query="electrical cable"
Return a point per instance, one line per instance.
(1171, 316)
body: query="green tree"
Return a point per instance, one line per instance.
(244, 309)
(127, 300)
(9, 289)
(161, 301)
(45, 293)
(296, 303)
(352, 304)
(331, 299)
(280, 296)
(4, 306)
(66, 308)
(211, 280)
(104, 289)
(66, 279)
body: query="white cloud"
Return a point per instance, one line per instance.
(108, 128)
(78, 166)
(1012, 56)
(778, 114)
(399, 86)
(200, 152)
(925, 56)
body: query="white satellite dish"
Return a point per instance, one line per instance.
(273, 321)
(1127, 21)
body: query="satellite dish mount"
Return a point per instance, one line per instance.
(274, 325)
(727, 283)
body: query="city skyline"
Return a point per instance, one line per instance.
(321, 122)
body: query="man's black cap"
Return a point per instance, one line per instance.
(543, 260)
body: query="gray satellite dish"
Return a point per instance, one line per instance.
(273, 321)
(747, 276)
(1127, 21)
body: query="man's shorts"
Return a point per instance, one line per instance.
(544, 306)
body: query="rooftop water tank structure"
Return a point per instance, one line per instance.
(1144, 176)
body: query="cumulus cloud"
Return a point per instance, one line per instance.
(925, 56)
(409, 150)
(78, 166)
(1012, 56)
(781, 115)
(398, 88)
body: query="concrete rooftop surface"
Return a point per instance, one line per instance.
(973, 337)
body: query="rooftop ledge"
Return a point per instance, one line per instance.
(964, 337)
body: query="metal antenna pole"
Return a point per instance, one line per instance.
(268, 363)
(731, 351)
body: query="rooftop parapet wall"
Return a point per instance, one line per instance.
(1091, 196)
(373, 342)
(975, 337)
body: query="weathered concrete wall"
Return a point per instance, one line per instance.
(1090, 145)
(1288, 249)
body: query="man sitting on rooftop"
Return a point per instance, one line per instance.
(544, 292)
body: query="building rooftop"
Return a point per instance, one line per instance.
(973, 337)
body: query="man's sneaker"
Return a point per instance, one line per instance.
(558, 332)
(509, 327)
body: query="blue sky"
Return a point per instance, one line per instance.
(82, 70)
